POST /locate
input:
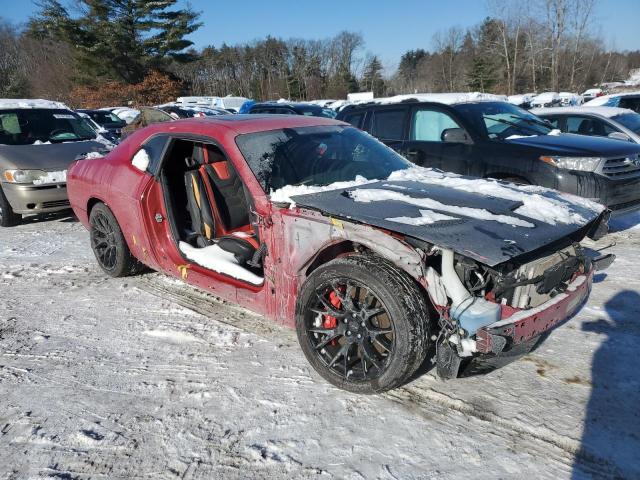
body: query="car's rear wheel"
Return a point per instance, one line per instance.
(8, 218)
(363, 323)
(108, 244)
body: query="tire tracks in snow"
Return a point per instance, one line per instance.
(421, 400)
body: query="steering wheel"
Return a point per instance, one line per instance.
(59, 131)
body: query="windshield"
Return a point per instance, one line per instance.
(316, 156)
(103, 117)
(318, 112)
(629, 120)
(501, 120)
(36, 126)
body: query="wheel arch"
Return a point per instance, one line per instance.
(504, 176)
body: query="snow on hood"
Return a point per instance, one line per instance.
(538, 203)
(19, 103)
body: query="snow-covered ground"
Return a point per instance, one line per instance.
(144, 377)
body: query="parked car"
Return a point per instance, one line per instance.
(630, 100)
(612, 122)
(228, 103)
(292, 108)
(546, 99)
(318, 225)
(107, 120)
(181, 111)
(592, 93)
(500, 140)
(146, 116)
(38, 140)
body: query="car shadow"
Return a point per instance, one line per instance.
(624, 222)
(612, 419)
(66, 216)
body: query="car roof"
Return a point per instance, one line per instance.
(246, 123)
(286, 104)
(607, 112)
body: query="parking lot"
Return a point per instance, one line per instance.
(144, 377)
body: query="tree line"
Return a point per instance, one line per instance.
(107, 52)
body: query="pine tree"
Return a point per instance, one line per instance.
(480, 77)
(372, 77)
(118, 39)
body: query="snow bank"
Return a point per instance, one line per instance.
(11, 103)
(284, 194)
(539, 203)
(377, 195)
(219, 260)
(427, 217)
(52, 177)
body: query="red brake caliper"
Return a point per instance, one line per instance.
(329, 321)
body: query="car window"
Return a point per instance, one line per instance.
(155, 148)
(316, 156)
(630, 103)
(37, 126)
(629, 120)
(355, 119)
(429, 125)
(553, 121)
(588, 126)
(388, 124)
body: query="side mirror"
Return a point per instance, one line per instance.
(141, 160)
(456, 135)
(619, 136)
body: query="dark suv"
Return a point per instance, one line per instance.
(499, 140)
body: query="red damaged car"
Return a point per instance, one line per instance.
(377, 263)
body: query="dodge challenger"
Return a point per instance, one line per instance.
(379, 265)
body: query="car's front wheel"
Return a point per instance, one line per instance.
(8, 218)
(363, 323)
(108, 244)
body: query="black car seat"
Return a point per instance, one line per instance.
(198, 203)
(228, 192)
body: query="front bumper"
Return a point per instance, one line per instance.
(619, 195)
(527, 325)
(31, 199)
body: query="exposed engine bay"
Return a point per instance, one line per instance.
(470, 295)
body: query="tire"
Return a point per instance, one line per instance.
(8, 218)
(405, 320)
(108, 244)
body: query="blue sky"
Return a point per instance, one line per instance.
(388, 27)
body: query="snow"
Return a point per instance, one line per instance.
(607, 112)
(546, 97)
(605, 98)
(520, 99)
(380, 195)
(219, 260)
(94, 155)
(539, 203)
(427, 217)
(97, 382)
(284, 194)
(141, 160)
(52, 177)
(13, 103)
(447, 98)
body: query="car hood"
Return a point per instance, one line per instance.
(570, 144)
(489, 221)
(49, 157)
